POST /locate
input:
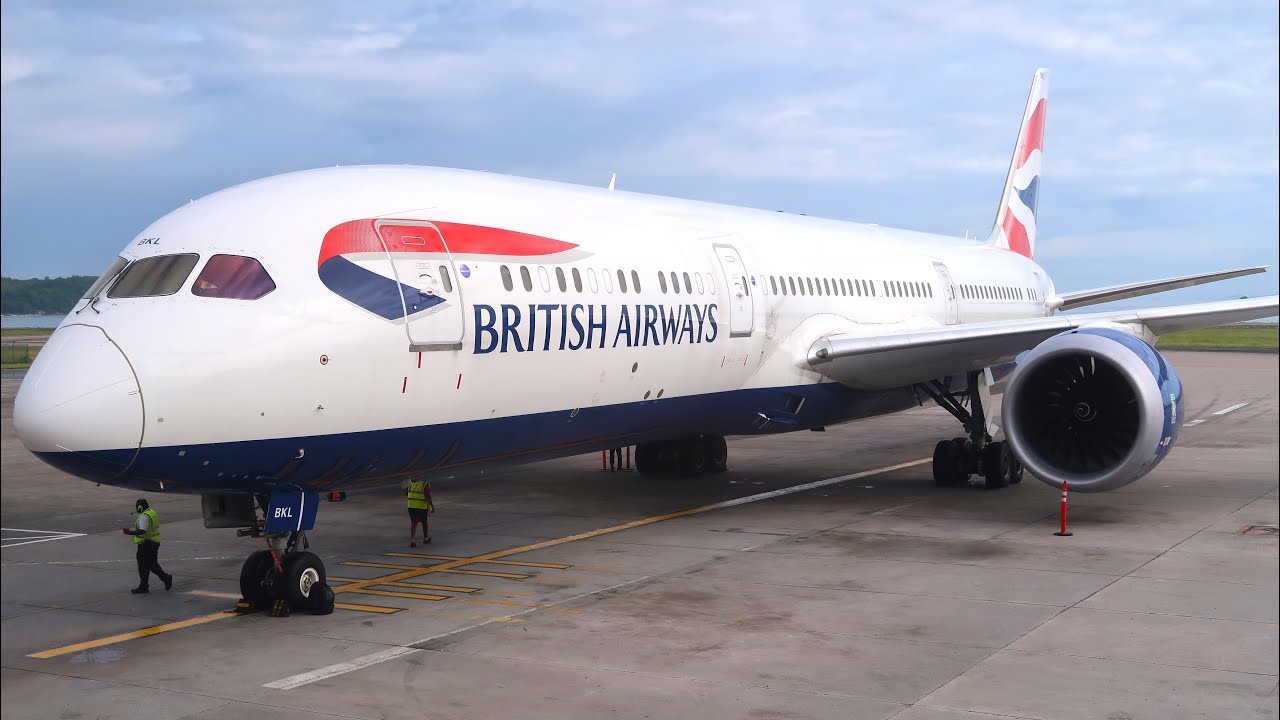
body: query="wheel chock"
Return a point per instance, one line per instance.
(280, 609)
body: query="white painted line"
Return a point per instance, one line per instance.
(1194, 423)
(1233, 408)
(342, 668)
(28, 539)
(42, 532)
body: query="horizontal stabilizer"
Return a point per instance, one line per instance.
(1069, 301)
(880, 362)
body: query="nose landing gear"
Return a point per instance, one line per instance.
(284, 577)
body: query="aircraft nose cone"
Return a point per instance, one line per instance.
(79, 407)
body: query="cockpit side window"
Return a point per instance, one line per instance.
(112, 271)
(234, 277)
(154, 276)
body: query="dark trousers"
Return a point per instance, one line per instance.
(149, 562)
(615, 459)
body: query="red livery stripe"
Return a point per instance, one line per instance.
(1017, 234)
(1035, 133)
(361, 236)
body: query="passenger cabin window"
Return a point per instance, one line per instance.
(560, 281)
(675, 283)
(662, 282)
(635, 281)
(112, 271)
(445, 278)
(622, 281)
(688, 286)
(506, 278)
(235, 277)
(544, 279)
(154, 276)
(577, 280)
(525, 279)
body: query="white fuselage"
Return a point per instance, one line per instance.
(303, 368)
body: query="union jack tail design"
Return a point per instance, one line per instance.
(1015, 227)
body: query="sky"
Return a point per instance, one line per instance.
(1160, 144)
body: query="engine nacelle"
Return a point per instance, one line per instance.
(1095, 407)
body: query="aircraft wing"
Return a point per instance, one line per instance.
(915, 355)
(1072, 300)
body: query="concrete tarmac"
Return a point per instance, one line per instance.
(557, 590)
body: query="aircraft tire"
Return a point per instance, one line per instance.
(964, 460)
(944, 464)
(321, 599)
(719, 454)
(253, 580)
(996, 466)
(697, 456)
(646, 459)
(302, 572)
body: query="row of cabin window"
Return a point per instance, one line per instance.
(842, 286)
(996, 292)
(544, 278)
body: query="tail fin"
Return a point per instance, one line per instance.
(1015, 227)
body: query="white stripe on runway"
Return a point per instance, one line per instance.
(1233, 408)
(1194, 423)
(342, 668)
(327, 672)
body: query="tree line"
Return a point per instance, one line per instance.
(42, 296)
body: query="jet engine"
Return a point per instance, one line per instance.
(1095, 408)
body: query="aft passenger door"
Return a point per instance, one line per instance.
(420, 257)
(738, 287)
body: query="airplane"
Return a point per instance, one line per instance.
(333, 329)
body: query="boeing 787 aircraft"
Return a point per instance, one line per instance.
(326, 330)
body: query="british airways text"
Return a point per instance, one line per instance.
(556, 326)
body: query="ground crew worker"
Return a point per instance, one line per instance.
(419, 506)
(146, 536)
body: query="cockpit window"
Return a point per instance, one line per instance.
(233, 276)
(154, 276)
(116, 266)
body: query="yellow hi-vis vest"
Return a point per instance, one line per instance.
(152, 533)
(418, 495)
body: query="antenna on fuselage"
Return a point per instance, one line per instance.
(612, 181)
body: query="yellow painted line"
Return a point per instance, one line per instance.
(419, 586)
(450, 565)
(145, 632)
(517, 563)
(429, 586)
(210, 593)
(392, 593)
(420, 571)
(367, 608)
(508, 603)
(486, 573)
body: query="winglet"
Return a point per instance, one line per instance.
(612, 181)
(1015, 227)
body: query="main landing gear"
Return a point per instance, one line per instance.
(698, 455)
(956, 460)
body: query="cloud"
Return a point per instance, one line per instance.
(1153, 105)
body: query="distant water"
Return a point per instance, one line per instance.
(31, 321)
